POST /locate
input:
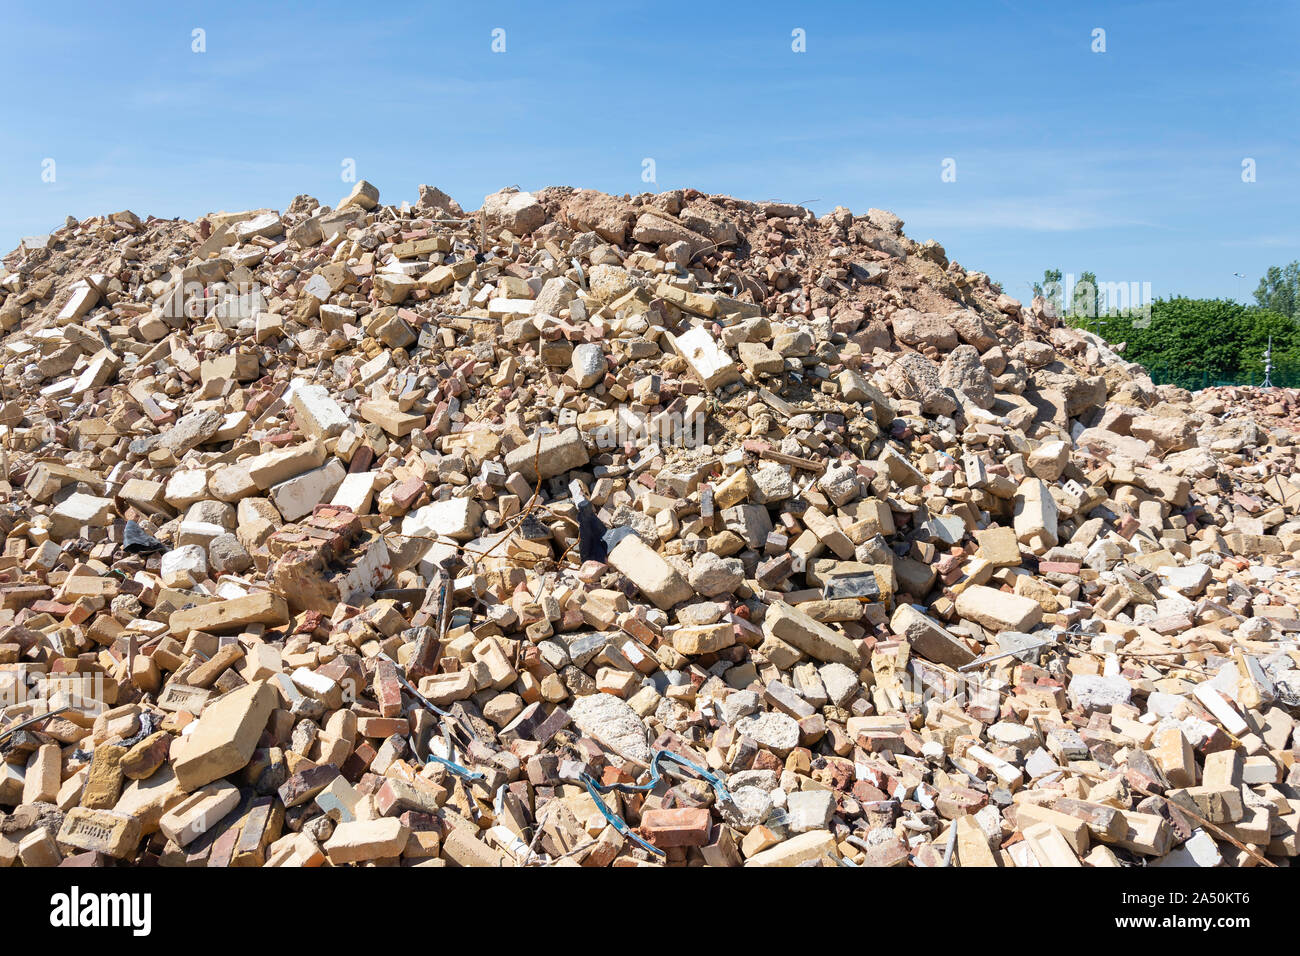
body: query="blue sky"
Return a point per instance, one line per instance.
(1127, 162)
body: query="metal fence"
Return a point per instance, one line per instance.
(1283, 376)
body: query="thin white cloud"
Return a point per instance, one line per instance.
(1268, 242)
(1035, 215)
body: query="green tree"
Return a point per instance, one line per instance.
(1253, 339)
(1086, 300)
(1279, 290)
(1050, 289)
(1194, 342)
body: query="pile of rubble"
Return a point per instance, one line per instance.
(1270, 407)
(586, 530)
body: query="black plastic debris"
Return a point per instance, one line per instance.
(138, 541)
(863, 587)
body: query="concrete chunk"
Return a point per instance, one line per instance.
(549, 455)
(316, 412)
(710, 363)
(299, 495)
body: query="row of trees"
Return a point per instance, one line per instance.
(1086, 296)
(1193, 342)
(1279, 290)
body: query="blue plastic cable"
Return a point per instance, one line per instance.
(463, 772)
(655, 775)
(617, 822)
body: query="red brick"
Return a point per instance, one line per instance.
(383, 727)
(387, 689)
(686, 826)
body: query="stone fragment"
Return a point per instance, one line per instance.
(547, 455)
(613, 724)
(317, 413)
(805, 847)
(928, 638)
(655, 577)
(110, 832)
(998, 610)
(815, 639)
(360, 840)
(225, 737)
(710, 364)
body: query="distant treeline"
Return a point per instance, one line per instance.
(1196, 342)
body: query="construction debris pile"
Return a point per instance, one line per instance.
(1270, 407)
(586, 530)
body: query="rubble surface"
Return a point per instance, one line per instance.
(590, 530)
